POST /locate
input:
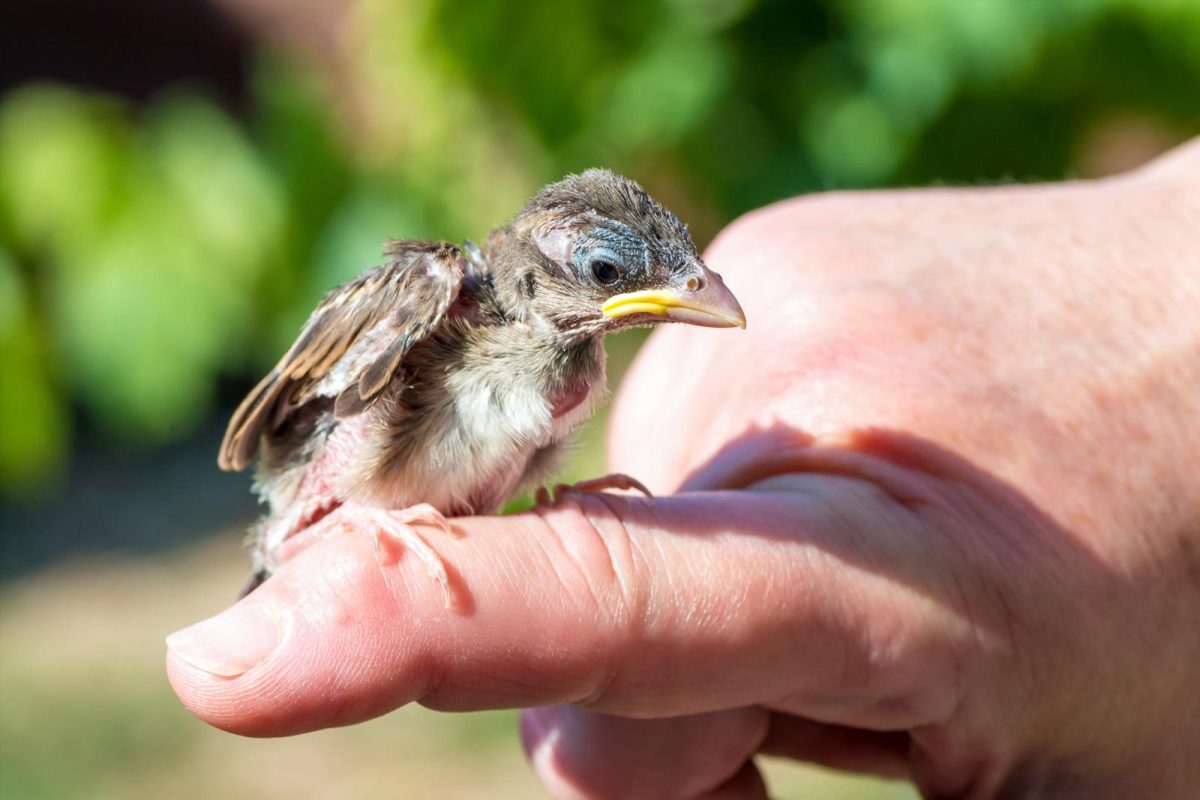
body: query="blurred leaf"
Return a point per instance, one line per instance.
(149, 305)
(546, 58)
(33, 420)
(864, 121)
(910, 75)
(61, 165)
(708, 15)
(216, 183)
(663, 94)
(298, 141)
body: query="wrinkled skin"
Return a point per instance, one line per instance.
(938, 518)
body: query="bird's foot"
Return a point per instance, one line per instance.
(394, 533)
(615, 480)
(427, 514)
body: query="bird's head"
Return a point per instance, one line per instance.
(602, 255)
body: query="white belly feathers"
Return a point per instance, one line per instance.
(481, 444)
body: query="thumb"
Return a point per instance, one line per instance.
(627, 605)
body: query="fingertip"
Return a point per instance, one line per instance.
(229, 644)
(580, 753)
(318, 645)
(539, 739)
(882, 753)
(338, 635)
(205, 696)
(747, 784)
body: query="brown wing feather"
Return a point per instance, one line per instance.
(410, 293)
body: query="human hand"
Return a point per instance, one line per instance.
(938, 520)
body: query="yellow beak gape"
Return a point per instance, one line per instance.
(715, 309)
(651, 301)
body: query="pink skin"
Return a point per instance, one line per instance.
(936, 517)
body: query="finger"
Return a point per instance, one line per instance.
(657, 608)
(882, 753)
(747, 784)
(580, 753)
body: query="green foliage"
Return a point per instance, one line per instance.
(146, 252)
(144, 239)
(32, 420)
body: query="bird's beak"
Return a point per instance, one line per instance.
(703, 300)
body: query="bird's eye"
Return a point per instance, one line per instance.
(605, 272)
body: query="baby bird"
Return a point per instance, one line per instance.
(450, 378)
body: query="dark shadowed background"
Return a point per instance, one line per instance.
(180, 181)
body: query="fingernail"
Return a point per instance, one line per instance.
(230, 643)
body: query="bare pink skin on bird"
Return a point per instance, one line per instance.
(323, 491)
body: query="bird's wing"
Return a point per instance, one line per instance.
(384, 312)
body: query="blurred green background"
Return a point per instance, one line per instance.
(179, 183)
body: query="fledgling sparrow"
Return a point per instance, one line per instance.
(450, 378)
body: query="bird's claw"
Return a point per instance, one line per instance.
(615, 480)
(394, 534)
(428, 515)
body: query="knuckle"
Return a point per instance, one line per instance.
(598, 565)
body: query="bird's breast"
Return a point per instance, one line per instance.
(465, 437)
